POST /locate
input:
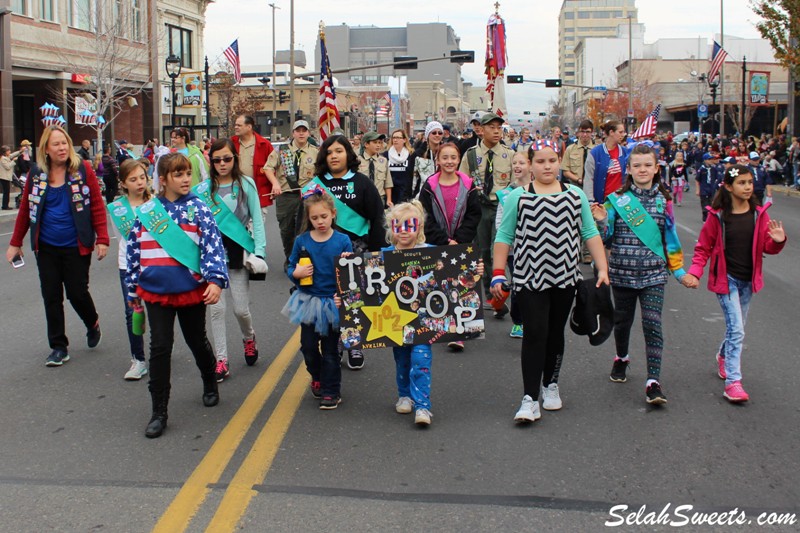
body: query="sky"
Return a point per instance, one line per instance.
(531, 27)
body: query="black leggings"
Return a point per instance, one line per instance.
(544, 316)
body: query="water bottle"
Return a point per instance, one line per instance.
(499, 303)
(138, 325)
(305, 259)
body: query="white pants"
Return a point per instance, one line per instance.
(239, 285)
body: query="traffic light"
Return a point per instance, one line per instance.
(462, 56)
(282, 96)
(542, 114)
(553, 83)
(264, 80)
(526, 112)
(405, 62)
(514, 79)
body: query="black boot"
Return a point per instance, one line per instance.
(210, 390)
(158, 422)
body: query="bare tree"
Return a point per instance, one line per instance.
(229, 100)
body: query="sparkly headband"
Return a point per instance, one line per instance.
(314, 190)
(544, 143)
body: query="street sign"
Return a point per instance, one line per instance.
(630, 113)
(599, 88)
(702, 111)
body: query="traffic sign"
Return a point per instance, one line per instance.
(702, 111)
(630, 113)
(599, 88)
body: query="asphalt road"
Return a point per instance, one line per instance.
(74, 456)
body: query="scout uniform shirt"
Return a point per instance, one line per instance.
(575, 159)
(380, 175)
(302, 164)
(500, 166)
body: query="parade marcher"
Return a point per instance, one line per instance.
(110, 174)
(734, 239)
(376, 166)
(762, 182)
(254, 151)
(291, 167)
(545, 274)
(606, 163)
(451, 206)
(401, 166)
(85, 150)
(176, 265)
(359, 211)
(232, 198)
(425, 156)
(638, 225)
(489, 166)
(179, 137)
(475, 139)
(524, 142)
(122, 151)
(573, 163)
(62, 206)
(677, 177)
(135, 191)
(707, 181)
(6, 171)
(312, 305)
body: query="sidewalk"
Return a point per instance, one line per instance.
(782, 190)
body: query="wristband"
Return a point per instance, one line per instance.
(499, 272)
(498, 279)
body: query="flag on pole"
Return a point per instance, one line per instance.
(384, 105)
(717, 59)
(496, 61)
(648, 127)
(328, 112)
(232, 55)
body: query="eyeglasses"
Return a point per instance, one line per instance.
(398, 138)
(218, 160)
(436, 133)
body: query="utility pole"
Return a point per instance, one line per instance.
(744, 87)
(273, 128)
(630, 74)
(721, 72)
(292, 104)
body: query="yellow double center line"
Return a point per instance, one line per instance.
(190, 498)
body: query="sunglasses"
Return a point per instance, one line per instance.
(218, 160)
(436, 133)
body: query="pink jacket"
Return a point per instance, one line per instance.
(711, 245)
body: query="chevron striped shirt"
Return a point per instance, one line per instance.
(546, 231)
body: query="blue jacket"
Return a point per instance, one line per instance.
(708, 178)
(760, 178)
(597, 167)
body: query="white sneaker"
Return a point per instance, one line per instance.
(528, 410)
(404, 405)
(422, 417)
(551, 401)
(137, 371)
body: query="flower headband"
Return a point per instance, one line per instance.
(541, 144)
(314, 190)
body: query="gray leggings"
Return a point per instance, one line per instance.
(239, 285)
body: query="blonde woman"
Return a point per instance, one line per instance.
(401, 165)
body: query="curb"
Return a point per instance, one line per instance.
(785, 191)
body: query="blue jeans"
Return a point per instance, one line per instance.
(734, 305)
(413, 364)
(324, 366)
(136, 341)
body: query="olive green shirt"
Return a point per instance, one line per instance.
(308, 158)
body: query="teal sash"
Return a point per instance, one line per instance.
(226, 220)
(346, 217)
(502, 194)
(122, 215)
(631, 211)
(169, 235)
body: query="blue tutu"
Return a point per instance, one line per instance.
(321, 312)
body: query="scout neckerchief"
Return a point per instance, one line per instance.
(122, 215)
(346, 217)
(639, 220)
(169, 235)
(226, 220)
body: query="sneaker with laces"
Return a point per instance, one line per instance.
(653, 394)
(456, 346)
(551, 400)
(735, 393)
(329, 402)
(137, 370)
(222, 371)
(56, 358)
(316, 389)
(250, 351)
(618, 370)
(516, 331)
(93, 336)
(721, 367)
(355, 359)
(422, 417)
(528, 410)
(404, 405)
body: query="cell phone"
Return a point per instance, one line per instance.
(18, 261)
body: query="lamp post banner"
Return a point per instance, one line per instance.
(759, 88)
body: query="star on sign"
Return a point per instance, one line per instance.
(444, 254)
(474, 264)
(357, 321)
(464, 267)
(390, 326)
(347, 317)
(453, 261)
(469, 249)
(463, 256)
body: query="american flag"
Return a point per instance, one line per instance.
(384, 105)
(648, 126)
(232, 55)
(328, 112)
(717, 60)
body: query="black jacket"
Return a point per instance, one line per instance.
(436, 233)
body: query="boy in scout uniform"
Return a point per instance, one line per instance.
(293, 167)
(375, 166)
(489, 165)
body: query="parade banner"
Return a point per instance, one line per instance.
(759, 88)
(191, 85)
(406, 297)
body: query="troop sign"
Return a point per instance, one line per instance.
(406, 297)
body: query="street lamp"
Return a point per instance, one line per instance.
(173, 68)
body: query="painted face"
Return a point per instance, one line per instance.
(223, 160)
(448, 159)
(545, 165)
(405, 232)
(177, 184)
(57, 148)
(336, 158)
(321, 217)
(742, 187)
(643, 168)
(136, 182)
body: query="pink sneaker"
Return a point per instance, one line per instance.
(735, 393)
(721, 367)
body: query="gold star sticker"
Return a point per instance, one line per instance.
(347, 318)
(359, 327)
(387, 320)
(463, 267)
(469, 249)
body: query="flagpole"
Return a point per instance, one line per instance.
(721, 72)
(292, 105)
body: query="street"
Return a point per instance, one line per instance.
(75, 458)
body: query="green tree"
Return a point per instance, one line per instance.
(780, 25)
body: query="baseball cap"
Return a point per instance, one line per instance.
(121, 142)
(25, 142)
(754, 156)
(490, 117)
(730, 160)
(372, 136)
(300, 124)
(708, 156)
(446, 127)
(476, 117)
